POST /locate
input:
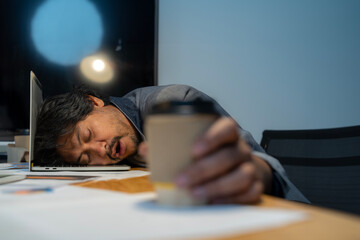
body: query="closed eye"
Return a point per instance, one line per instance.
(84, 159)
(89, 136)
(89, 160)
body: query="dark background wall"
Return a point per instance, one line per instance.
(131, 21)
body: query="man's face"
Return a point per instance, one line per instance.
(104, 137)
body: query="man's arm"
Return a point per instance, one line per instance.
(235, 164)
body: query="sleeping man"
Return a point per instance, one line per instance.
(81, 127)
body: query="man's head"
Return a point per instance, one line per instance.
(81, 127)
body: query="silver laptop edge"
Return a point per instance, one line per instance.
(35, 103)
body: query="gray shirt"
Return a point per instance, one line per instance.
(137, 103)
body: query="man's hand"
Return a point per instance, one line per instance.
(224, 169)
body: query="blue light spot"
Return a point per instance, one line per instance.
(67, 31)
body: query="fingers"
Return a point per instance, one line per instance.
(224, 131)
(224, 170)
(142, 150)
(253, 195)
(214, 165)
(239, 186)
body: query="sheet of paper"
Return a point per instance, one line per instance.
(31, 186)
(4, 166)
(102, 174)
(81, 213)
(55, 180)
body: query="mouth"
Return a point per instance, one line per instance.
(118, 149)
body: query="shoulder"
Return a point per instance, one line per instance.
(144, 98)
(164, 93)
(164, 89)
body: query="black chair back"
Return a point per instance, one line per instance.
(323, 163)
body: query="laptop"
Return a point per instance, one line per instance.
(36, 99)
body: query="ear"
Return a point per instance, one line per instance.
(97, 101)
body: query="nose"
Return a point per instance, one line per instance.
(97, 151)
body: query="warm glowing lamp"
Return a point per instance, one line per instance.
(98, 65)
(97, 69)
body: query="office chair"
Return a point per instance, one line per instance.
(324, 163)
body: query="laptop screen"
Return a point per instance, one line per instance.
(36, 100)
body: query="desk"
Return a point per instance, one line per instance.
(322, 224)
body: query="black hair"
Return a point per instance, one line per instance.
(58, 116)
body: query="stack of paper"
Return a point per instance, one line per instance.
(81, 213)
